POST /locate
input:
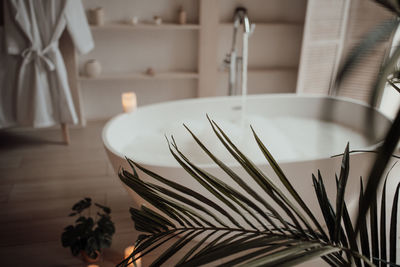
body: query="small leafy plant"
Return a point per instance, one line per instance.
(88, 235)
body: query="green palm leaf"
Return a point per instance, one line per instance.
(245, 228)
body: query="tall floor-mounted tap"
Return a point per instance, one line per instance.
(238, 63)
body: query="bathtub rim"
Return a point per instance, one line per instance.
(109, 123)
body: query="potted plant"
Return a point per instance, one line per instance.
(283, 237)
(88, 235)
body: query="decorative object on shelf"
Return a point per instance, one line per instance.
(128, 251)
(150, 72)
(88, 236)
(157, 20)
(96, 16)
(129, 101)
(133, 21)
(92, 68)
(182, 16)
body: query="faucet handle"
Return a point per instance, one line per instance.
(227, 59)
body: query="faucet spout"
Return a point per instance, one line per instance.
(238, 64)
(241, 17)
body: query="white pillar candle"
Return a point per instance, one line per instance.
(129, 101)
(128, 252)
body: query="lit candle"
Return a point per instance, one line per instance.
(129, 101)
(93, 265)
(128, 252)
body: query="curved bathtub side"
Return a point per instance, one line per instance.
(117, 163)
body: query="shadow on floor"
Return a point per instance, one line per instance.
(11, 139)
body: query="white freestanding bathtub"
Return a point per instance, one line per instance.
(298, 131)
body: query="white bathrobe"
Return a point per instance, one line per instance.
(34, 86)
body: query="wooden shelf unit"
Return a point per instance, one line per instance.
(191, 54)
(142, 76)
(145, 26)
(264, 23)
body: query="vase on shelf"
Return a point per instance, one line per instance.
(150, 72)
(182, 16)
(133, 21)
(92, 68)
(96, 16)
(157, 20)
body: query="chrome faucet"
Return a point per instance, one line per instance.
(238, 64)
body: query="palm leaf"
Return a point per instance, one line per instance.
(344, 174)
(271, 189)
(364, 238)
(281, 236)
(380, 33)
(390, 5)
(393, 226)
(374, 37)
(382, 233)
(241, 183)
(285, 181)
(373, 216)
(378, 168)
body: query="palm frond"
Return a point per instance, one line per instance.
(393, 226)
(377, 35)
(373, 38)
(245, 228)
(382, 159)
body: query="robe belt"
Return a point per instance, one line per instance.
(40, 56)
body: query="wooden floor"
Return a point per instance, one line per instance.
(40, 180)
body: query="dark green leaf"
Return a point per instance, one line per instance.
(183, 189)
(196, 247)
(254, 254)
(82, 205)
(233, 248)
(394, 86)
(344, 174)
(156, 216)
(380, 82)
(379, 166)
(364, 240)
(175, 247)
(149, 244)
(285, 181)
(351, 236)
(262, 181)
(307, 255)
(240, 182)
(373, 216)
(222, 187)
(285, 254)
(208, 187)
(383, 239)
(380, 33)
(104, 208)
(393, 226)
(232, 241)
